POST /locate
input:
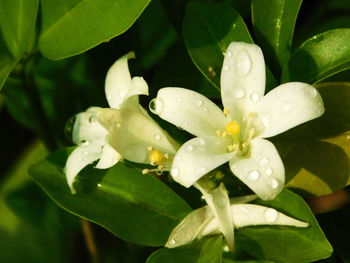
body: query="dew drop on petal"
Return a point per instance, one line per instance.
(205, 109)
(201, 170)
(174, 172)
(109, 97)
(201, 141)
(274, 183)
(156, 106)
(243, 209)
(267, 118)
(199, 103)
(189, 148)
(228, 54)
(264, 161)
(179, 100)
(225, 67)
(270, 215)
(122, 94)
(86, 153)
(156, 136)
(268, 171)
(253, 176)
(254, 96)
(287, 107)
(85, 143)
(243, 63)
(172, 242)
(238, 93)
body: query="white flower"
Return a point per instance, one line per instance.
(236, 134)
(202, 222)
(120, 131)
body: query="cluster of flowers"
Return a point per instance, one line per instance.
(235, 135)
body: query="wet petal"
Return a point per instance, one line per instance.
(197, 157)
(109, 157)
(242, 77)
(131, 133)
(119, 86)
(287, 106)
(219, 203)
(86, 127)
(82, 156)
(189, 110)
(261, 169)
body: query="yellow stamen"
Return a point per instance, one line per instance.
(226, 112)
(233, 128)
(166, 156)
(155, 157)
(145, 171)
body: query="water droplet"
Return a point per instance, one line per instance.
(85, 143)
(99, 185)
(205, 109)
(174, 172)
(270, 215)
(238, 93)
(243, 63)
(122, 94)
(201, 141)
(287, 107)
(274, 183)
(268, 171)
(185, 123)
(86, 153)
(109, 97)
(156, 136)
(225, 67)
(264, 161)
(253, 176)
(254, 96)
(202, 197)
(189, 148)
(172, 242)
(314, 37)
(179, 100)
(267, 118)
(229, 54)
(156, 106)
(199, 103)
(243, 209)
(201, 170)
(117, 125)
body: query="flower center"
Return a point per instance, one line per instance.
(156, 158)
(241, 134)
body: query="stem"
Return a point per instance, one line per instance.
(90, 241)
(41, 122)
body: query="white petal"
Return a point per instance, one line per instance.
(109, 157)
(219, 203)
(82, 156)
(251, 215)
(86, 127)
(197, 157)
(131, 133)
(189, 110)
(242, 77)
(261, 169)
(119, 86)
(190, 227)
(287, 106)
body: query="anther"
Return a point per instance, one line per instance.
(233, 128)
(218, 132)
(145, 171)
(226, 112)
(251, 115)
(166, 156)
(149, 148)
(155, 157)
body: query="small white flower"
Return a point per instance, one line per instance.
(202, 222)
(236, 134)
(124, 130)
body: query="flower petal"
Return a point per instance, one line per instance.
(219, 203)
(287, 106)
(251, 215)
(109, 157)
(119, 86)
(189, 110)
(261, 169)
(242, 77)
(86, 127)
(197, 157)
(131, 133)
(83, 155)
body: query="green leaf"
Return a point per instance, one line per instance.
(121, 199)
(72, 27)
(208, 29)
(17, 22)
(7, 63)
(282, 243)
(273, 23)
(336, 119)
(203, 251)
(319, 57)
